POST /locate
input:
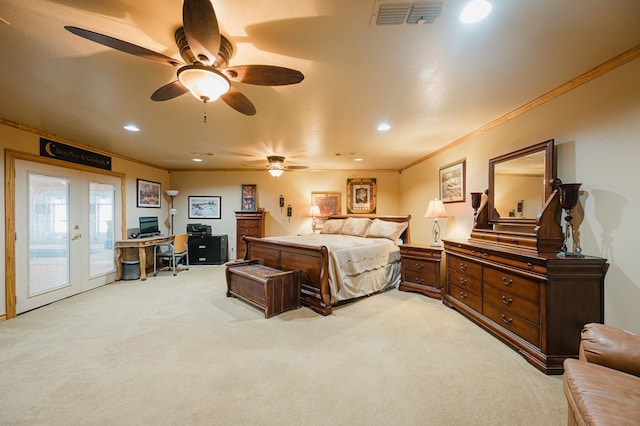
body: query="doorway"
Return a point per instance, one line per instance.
(66, 221)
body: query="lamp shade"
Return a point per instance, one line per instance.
(275, 172)
(436, 209)
(172, 192)
(205, 84)
(314, 211)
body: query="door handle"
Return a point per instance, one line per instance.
(75, 237)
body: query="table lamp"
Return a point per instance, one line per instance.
(436, 210)
(313, 212)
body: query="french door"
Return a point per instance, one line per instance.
(66, 222)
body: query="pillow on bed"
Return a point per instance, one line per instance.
(332, 226)
(384, 229)
(356, 226)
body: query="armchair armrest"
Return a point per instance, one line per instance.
(610, 347)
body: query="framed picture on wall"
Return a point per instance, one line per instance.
(329, 203)
(205, 207)
(361, 196)
(249, 203)
(452, 182)
(148, 193)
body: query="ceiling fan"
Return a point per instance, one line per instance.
(276, 165)
(206, 53)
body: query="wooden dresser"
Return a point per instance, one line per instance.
(514, 276)
(421, 269)
(249, 223)
(535, 303)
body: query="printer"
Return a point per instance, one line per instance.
(198, 229)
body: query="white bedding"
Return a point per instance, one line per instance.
(357, 266)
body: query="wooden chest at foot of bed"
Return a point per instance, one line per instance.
(268, 289)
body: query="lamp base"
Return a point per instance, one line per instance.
(436, 244)
(570, 254)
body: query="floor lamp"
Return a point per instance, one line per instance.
(172, 212)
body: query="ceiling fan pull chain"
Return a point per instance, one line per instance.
(204, 114)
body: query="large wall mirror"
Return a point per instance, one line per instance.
(520, 184)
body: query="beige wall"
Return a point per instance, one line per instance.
(296, 186)
(23, 141)
(595, 127)
(596, 130)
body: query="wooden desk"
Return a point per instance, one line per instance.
(141, 244)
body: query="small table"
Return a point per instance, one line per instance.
(141, 244)
(422, 269)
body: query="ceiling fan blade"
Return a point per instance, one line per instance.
(169, 91)
(122, 46)
(236, 100)
(264, 75)
(201, 29)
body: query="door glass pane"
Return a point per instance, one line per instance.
(101, 232)
(48, 231)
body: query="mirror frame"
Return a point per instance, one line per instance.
(549, 175)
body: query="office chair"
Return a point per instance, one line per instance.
(172, 252)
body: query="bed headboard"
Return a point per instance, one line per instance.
(405, 236)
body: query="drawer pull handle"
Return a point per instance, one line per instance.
(507, 301)
(473, 252)
(506, 320)
(419, 265)
(507, 283)
(463, 266)
(419, 281)
(485, 254)
(202, 246)
(463, 280)
(462, 295)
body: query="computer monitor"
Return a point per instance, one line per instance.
(149, 226)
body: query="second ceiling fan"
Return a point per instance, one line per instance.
(206, 72)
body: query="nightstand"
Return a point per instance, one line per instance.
(421, 269)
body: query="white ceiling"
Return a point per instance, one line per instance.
(433, 83)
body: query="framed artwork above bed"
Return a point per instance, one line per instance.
(329, 203)
(361, 196)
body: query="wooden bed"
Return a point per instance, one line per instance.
(312, 261)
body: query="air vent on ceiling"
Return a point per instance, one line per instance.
(390, 13)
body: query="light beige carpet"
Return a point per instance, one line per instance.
(177, 351)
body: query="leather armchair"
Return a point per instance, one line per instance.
(603, 385)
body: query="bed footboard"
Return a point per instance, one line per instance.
(312, 261)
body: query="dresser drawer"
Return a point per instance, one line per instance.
(463, 295)
(465, 266)
(249, 227)
(465, 282)
(512, 302)
(420, 278)
(516, 284)
(420, 266)
(512, 322)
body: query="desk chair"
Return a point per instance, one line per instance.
(172, 252)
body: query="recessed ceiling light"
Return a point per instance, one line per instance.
(383, 127)
(196, 157)
(132, 128)
(358, 159)
(474, 11)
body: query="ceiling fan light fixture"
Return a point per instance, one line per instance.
(275, 172)
(205, 84)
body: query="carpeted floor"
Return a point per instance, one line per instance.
(176, 350)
